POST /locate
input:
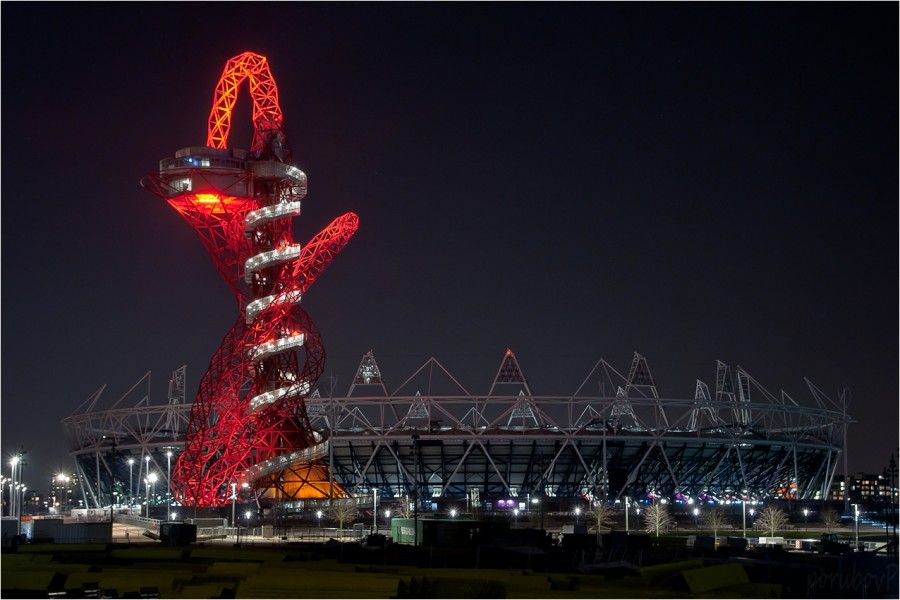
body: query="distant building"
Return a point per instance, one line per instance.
(34, 503)
(65, 492)
(867, 488)
(838, 488)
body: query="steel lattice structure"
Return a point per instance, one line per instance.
(105, 439)
(614, 436)
(249, 410)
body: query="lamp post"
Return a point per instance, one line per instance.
(890, 472)
(146, 466)
(130, 481)
(147, 496)
(319, 517)
(744, 514)
(18, 508)
(151, 483)
(168, 482)
(375, 509)
(856, 525)
(805, 519)
(697, 518)
(12, 484)
(577, 514)
(627, 506)
(233, 500)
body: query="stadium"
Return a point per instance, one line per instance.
(431, 438)
(258, 425)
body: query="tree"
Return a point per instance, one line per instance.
(772, 519)
(657, 518)
(831, 519)
(715, 519)
(602, 516)
(343, 511)
(403, 510)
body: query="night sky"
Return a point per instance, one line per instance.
(694, 182)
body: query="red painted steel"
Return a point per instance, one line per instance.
(225, 436)
(267, 117)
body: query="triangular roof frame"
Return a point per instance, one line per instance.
(610, 375)
(178, 380)
(523, 409)
(362, 379)
(510, 373)
(640, 378)
(621, 406)
(431, 364)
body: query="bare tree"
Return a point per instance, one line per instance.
(657, 518)
(715, 519)
(772, 519)
(602, 516)
(343, 511)
(831, 520)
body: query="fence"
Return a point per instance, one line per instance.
(137, 521)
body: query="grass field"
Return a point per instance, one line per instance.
(263, 573)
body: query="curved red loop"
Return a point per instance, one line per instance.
(267, 116)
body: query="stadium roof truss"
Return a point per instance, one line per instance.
(625, 439)
(614, 436)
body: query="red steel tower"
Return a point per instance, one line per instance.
(248, 423)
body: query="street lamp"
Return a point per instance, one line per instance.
(375, 510)
(697, 517)
(130, 481)
(233, 500)
(319, 517)
(627, 506)
(12, 482)
(24, 489)
(151, 483)
(452, 513)
(805, 520)
(577, 514)
(168, 481)
(744, 515)
(856, 524)
(146, 466)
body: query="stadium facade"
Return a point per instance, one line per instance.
(615, 436)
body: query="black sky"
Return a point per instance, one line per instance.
(695, 182)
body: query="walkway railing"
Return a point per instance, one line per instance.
(136, 521)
